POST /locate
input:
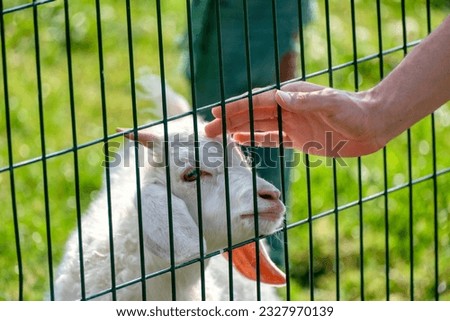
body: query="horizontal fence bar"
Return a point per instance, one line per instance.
(358, 61)
(178, 266)
(373, 196)
(26, 6)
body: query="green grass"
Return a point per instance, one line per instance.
(26, 137)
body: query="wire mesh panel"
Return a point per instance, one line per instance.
(369, 228)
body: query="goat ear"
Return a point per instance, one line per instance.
(245, 261)
(145, 137)
(185, 233)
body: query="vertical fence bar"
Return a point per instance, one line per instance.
(307, 160)
(334, 164)
(385, 163)
(336, 230)
(310, 232)
(303, 77)
(411, 217)
(43, 147)
(329, 53)
(106, 148)
(435, 207)
(360, 204)
(331, 84)
(361, 231)
(166, 147)
(75, 146)
(308, 182)
(12, 181)
(280, 115)
(435, 186)
(280, 139)
(280, 132)
(225, 150)
(410, 178)
(252, 146)
(386, 223)
(196, 149)
(136, 146)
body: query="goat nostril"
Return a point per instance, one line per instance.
(269, 195)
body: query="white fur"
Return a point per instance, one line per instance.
(155, 225)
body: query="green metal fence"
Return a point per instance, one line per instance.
(375, 227)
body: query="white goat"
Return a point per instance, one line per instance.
(155, 222)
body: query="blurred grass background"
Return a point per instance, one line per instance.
(354, 256)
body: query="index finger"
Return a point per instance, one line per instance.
(264, 99)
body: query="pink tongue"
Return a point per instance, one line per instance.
(244, 260)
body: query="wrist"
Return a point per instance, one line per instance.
(380, 121)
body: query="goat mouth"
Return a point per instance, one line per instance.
(266, 216)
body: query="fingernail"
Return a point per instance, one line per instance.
(284, 96)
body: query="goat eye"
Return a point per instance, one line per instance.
(190, 175)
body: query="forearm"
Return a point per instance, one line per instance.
(419, 85)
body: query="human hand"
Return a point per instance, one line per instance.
(315, 119)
